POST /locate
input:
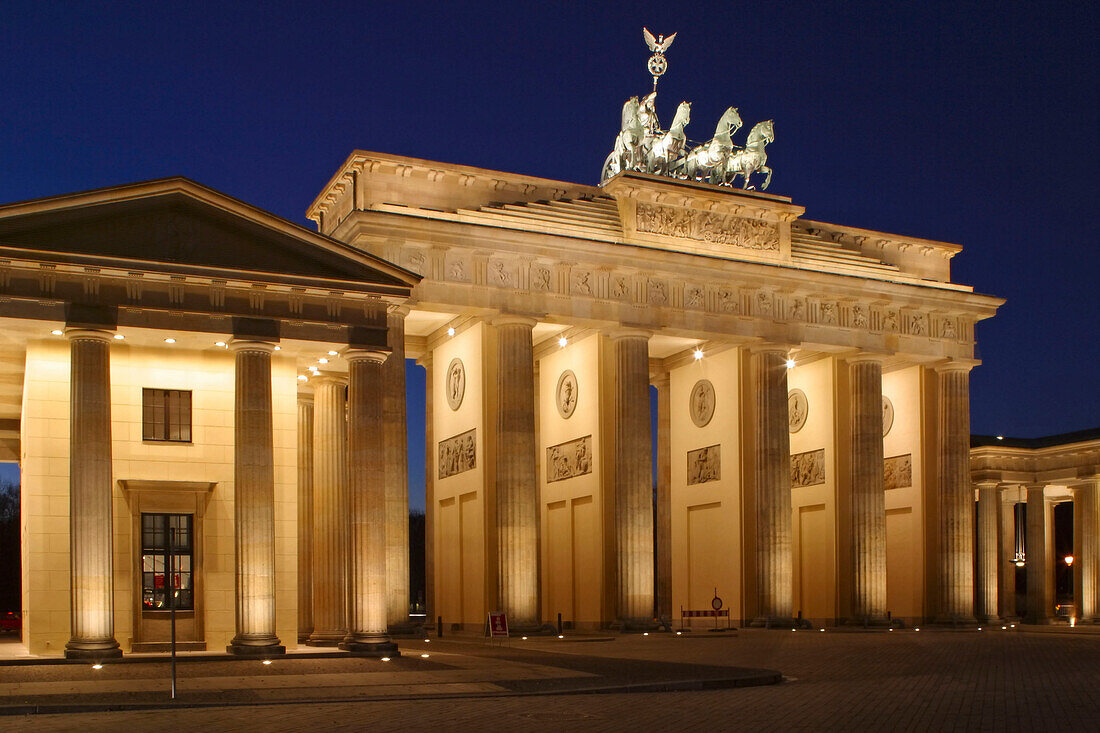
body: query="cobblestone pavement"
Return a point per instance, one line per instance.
(904, 680)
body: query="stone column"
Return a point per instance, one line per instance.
(989, 551)
(1006, 593)
(956, 496)
(366, 506)
(664, 496)
(517, 509)
(772, 472)
(397, 474)
(868, 496)
(429, 493)
(305, 516)
(330, 512)
(1086, 551)
(254, 501)
(90, 486)
(633, 479)
(1035, 552)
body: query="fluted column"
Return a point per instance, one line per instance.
(633, 479)
(429, 492)
(772, 472)
(956, 552)
(1035, 553)
(517, 506)
(1006, 593)
(397, 473)
(90, 484)
(254, 501)
(305, 516)
(330, 512)
(1086, 562)
(664, 496)
(989, 546)
(366, 506)
(868, 497)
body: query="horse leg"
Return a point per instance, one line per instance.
(767, 179)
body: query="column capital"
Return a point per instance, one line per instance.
(954, 366)
(239, 345)
(400, 310)
(331, 378)
(305, 397)
(512, 319)
(89, 334)
(617, 334)
(768, 347)
(661, 380)
(865, 357)
(375, 355)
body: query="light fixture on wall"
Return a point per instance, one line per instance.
(302, 378)
(169, 341)
(332, 353)
(278, 348)
(790, 363)
(451, 331)
(119, 337)
(698, 354)
(322, 360)
(563, 342)
(57, 332)
(220, 344)
(1068, 559)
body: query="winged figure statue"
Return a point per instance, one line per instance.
(657, 45)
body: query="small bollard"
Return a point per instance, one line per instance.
(439, 626)
(559, 624)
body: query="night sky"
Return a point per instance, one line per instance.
(973, 123)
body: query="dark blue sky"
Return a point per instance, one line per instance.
(973, 123)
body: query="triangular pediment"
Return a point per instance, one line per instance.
(177, 222)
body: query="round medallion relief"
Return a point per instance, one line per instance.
(887, 415)
(456, 383)
(701, 404)
(566, 394)
(798, 409)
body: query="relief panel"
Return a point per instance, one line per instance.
(566, 460)
(704, 464)
(808, 469)
(458, 454)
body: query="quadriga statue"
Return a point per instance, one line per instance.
(667, 149)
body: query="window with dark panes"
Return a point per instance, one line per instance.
(166, 415)
(167, 561)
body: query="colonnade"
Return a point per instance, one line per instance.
(997, 550)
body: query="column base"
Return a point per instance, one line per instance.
(955, 621)
(370, 646)
(93, 649)
(776, 622)
(407, 628)
(255, 646)
(326, 638)
(303, 636)
(871, 621)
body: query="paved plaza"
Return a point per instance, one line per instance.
(836, 680)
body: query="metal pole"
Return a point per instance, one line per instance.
(172, 599)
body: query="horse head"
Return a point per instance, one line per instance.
(762, 132)
(683, 116)
(729, 123)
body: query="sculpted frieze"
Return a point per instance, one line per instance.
(808, 469)
(704, 464)
(540, 277)
(708, 226)
(658, 292)
(898, 472)
(566, 460)
(693, 296)
(458, 454)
